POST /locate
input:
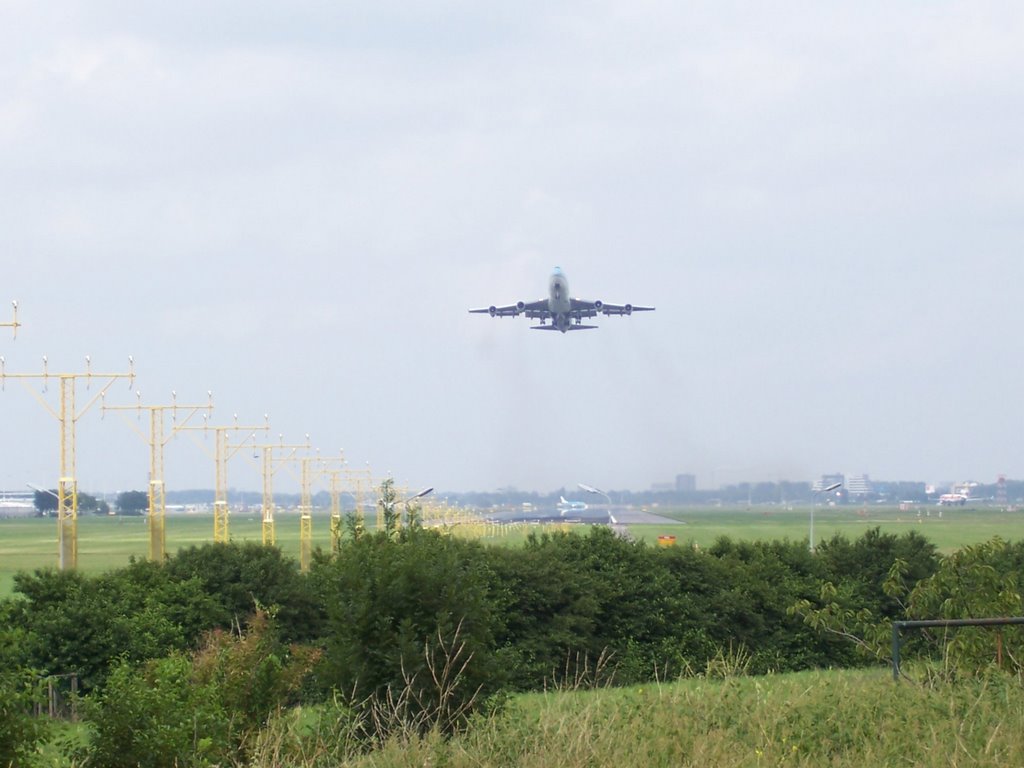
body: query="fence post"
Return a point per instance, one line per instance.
(896, 650)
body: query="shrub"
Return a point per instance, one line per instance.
(20, 730)
(412, 626)
(198, 710)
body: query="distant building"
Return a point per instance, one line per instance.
(17, 504)
(686, 483)
(859, 485)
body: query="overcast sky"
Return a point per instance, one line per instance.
(294, 204)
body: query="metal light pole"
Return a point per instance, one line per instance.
(420, 495)
(388, 507)
(596, 491)
(599, 492)
(814, 499)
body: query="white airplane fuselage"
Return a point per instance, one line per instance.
(559, 303)
(564, 504)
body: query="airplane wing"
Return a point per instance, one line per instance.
(585, 308)
(537, 310)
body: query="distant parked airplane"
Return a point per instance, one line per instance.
(564, 504)
(565, 312)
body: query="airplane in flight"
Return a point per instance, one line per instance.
(564, 312)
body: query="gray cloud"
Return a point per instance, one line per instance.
(295, 205)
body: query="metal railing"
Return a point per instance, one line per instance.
(898, 626)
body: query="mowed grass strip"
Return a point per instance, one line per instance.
(107, 542)
(947, 528)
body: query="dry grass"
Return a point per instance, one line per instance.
(806, 719)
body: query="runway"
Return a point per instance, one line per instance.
(592, 515)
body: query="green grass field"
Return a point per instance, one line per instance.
(955, 528)
(109, 542)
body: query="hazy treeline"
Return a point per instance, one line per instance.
(201, 650)
(781, 492)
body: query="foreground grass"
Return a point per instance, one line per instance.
(821, 718)
(808, 719)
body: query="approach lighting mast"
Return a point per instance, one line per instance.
(334, 480)
(157, 441)
(270, 464)
(306, 504)
(67, 416)
(355, 479)
(223, 452)
(14, 323)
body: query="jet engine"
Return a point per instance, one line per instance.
(598, 304)
(629, 309)
(520, 306)
(493, 310)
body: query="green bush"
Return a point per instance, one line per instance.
(411, 627)
(83, 625)
(20, 730)
(240, 578)
(157, 715)
(197, 710)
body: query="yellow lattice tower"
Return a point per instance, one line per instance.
(270, 464)
(223, 452)
(359, 480)
(334, 478)
(14, 323)
(67, 415)
(305, 517)
(313, 468)
(157, 441)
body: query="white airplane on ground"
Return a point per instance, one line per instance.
(959, 495)
(564, 504)
(565, 312)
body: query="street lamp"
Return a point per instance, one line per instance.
(405, 502)
(599, 492)
(420, 495)
(42, 490)
(814, 499)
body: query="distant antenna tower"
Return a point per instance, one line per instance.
(1001, 491)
